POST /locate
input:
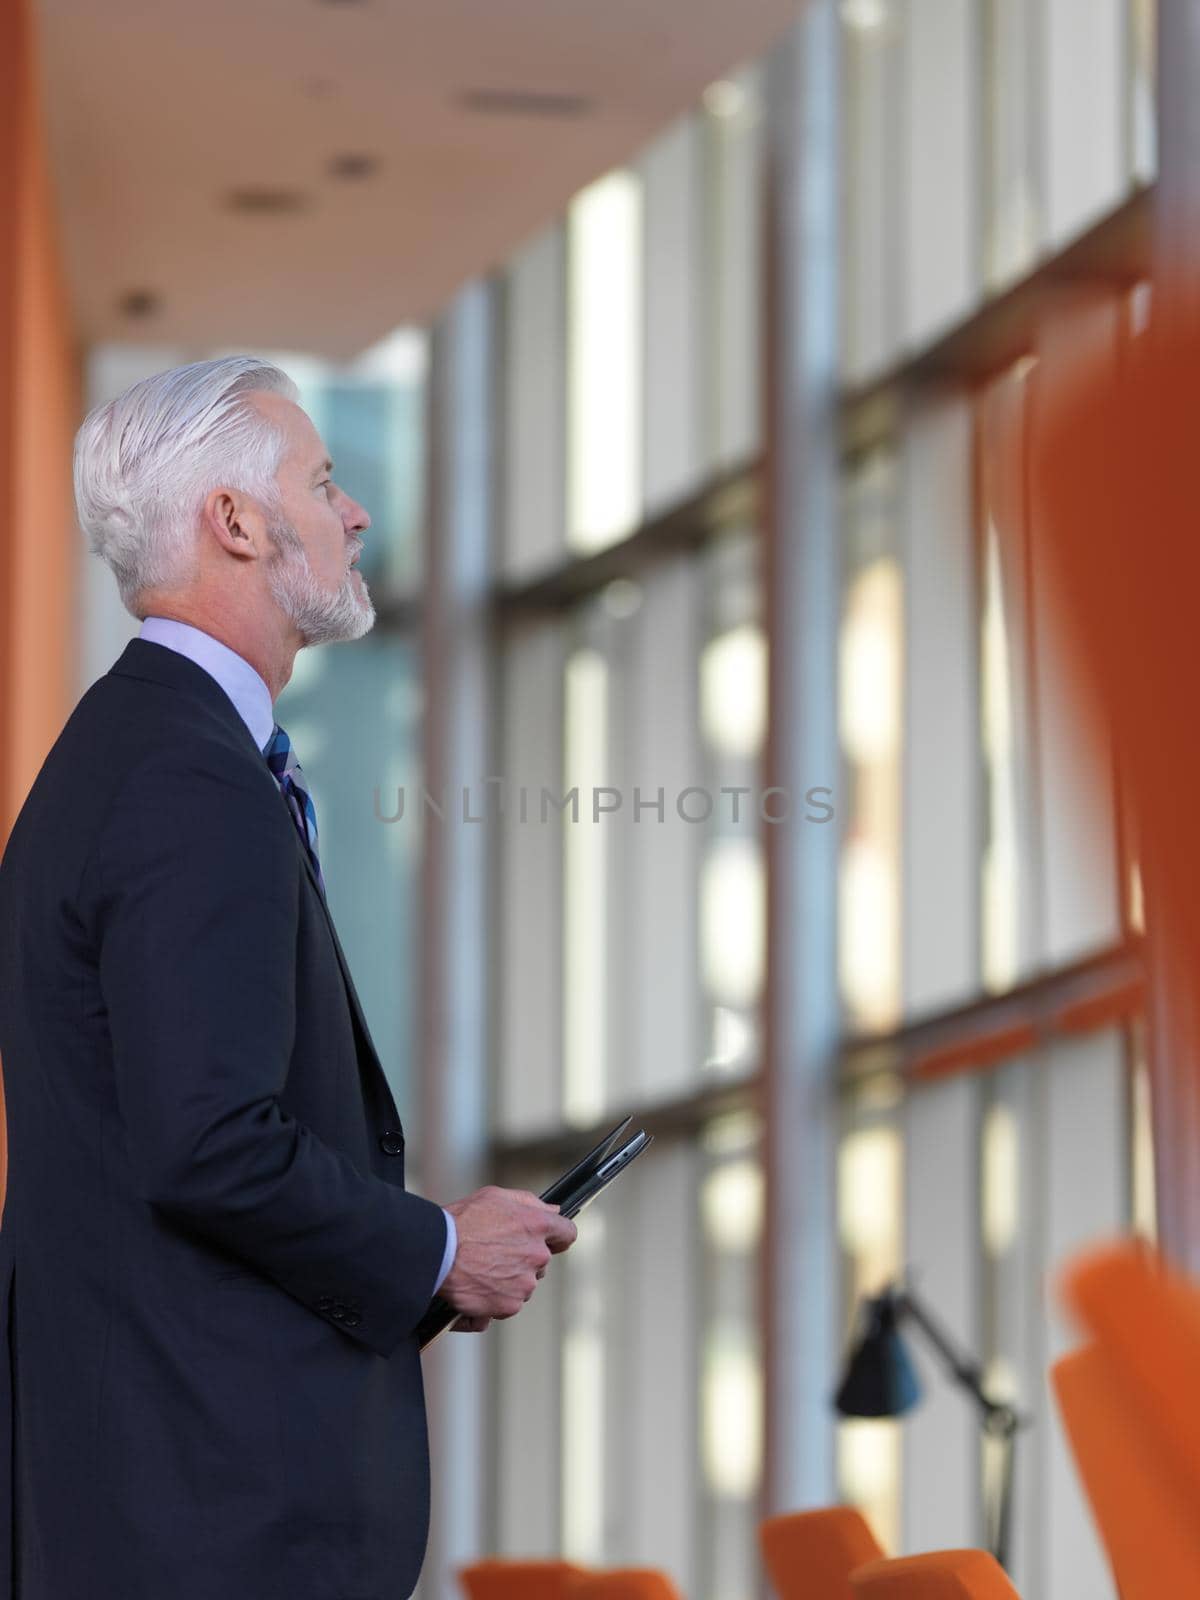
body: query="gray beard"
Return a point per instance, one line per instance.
(320, 617)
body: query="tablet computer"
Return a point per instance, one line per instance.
(571, 1193)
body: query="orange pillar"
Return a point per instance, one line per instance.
(39, 409)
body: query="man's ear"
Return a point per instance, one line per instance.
(235, 521)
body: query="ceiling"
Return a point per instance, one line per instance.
(159, 109)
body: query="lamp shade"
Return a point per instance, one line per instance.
(879, 1380)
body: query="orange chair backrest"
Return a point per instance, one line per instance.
(628, 1583)
(810, 1554)
(943, 1575)
(1153, 1543)
(1146, 1319)
(518, 1580)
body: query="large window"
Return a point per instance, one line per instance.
(353, 712)
(631, 894)
(995, 1104)
(980, 138)
(984, 946)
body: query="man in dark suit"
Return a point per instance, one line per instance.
(211, 1271)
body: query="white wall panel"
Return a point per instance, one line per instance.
(661, 909)
(534, 386)
(1086, 1185)
(653, 1372)
(528, 918)
(871, 200)
(941, 1436)
(526, 1354)
(736, 261)
(672, 174)
(940, 904)
(941, 145)
(1083, 111)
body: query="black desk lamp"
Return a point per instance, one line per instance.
(879, 1381)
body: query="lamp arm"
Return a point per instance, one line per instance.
(999, 1417)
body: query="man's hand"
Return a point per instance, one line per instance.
(505, 1239)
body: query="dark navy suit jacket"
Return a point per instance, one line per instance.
(210, 1269)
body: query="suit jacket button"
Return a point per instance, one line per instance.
(325, 1302)
(391, 1142)
(352, 1318)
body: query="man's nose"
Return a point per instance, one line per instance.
(355, 517)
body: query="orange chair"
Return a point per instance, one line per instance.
(811, 1554)
(1149, 1531)
(1145, 1318)
(944, 1575)
(629, 1583)
(495, 1579)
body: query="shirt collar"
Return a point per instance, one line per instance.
(240, 681)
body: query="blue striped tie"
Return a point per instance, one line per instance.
(289, 775)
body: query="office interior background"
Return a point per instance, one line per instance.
(676, 418)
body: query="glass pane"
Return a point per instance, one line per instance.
(939, 270)
(1001, 948)
(734, 127)
(584, 1430)
(353, 713)
(870, 1231)
(535, 386)
(1009, 887)
(1012, 222)
(870, 694)
(1011, 1276)
(871, 192)
(384, 429)
(1143, 22)
(371, 414)
(941, 800)
(653, 649)
(1085, 1178)
(731, 1396)
(585, 887)
(671, 171)
(733, 721)
(529, 909)
(1083, 112)
(604, 378)
(1142, 1193)
(527, 1441)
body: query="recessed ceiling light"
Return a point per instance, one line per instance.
(353, 164)
(523, 103)
(139, 303)
(266, 202)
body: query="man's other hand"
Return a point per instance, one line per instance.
(505, 1239)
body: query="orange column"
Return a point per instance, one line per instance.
(38, 413)
(39, 408)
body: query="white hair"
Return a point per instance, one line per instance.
(145, 461)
